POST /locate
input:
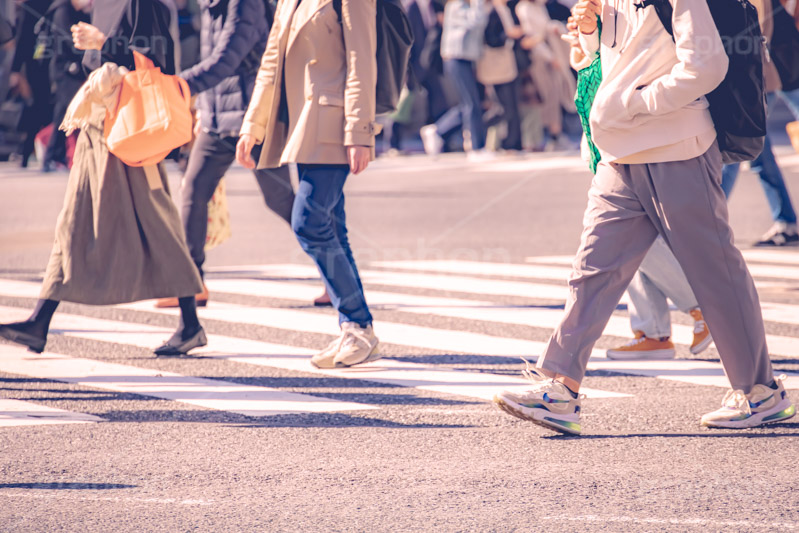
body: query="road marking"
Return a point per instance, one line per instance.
(618, 326)
(687, 371)
(208, 393)
(20, 413)
(480, 268)
(555, 273)
(711, 522)
(426, 338)
(682, 370)
(72, 497)
(781, 256)
(469, 285)
(478, 385)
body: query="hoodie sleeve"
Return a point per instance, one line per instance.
(241, 30)
(701, 62)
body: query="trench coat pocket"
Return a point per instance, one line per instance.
(331, 119)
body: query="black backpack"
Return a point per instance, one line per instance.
(784, 47)
(394, 41)
(738, 105)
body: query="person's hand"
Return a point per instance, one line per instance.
(528, 43)
(244, 149)
(358, 157)
(87, 37)
(514, 33)
(585, 13)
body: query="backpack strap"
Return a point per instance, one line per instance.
(337, 9)
(664, 10)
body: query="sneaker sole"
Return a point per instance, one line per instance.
(702, 346)
(655, 355)
(545, 422)
(784, 411)
(374, 355)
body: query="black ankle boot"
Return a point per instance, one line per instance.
(28, 333)
(182, 342)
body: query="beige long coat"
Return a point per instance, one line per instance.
(330, 78)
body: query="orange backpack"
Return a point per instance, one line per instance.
(152, 118)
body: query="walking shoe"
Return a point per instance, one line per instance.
(702, 338)
(176, 346)
(24, 333)
(171, 303)
(780, 234)
(358, 345)
(323, 301)
(327, 357)
(764, 405)
(431, 140)
(480, 156)
(548, 403)
(643, 347)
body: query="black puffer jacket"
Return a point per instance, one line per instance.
(233, 38)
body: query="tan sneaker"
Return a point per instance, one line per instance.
(642, 347)
(763, 405)
(702, 338)
(358, 345)
(326, 358)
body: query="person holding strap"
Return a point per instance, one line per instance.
(660, 174)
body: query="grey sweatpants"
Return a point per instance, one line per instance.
(628, 206)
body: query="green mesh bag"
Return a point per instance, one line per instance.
(588, 80)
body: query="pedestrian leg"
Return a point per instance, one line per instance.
(685, 200)
(210, 158)
(319, 196)
(275, 185)
(617, 235)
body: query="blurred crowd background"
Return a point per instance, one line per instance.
(510, 51)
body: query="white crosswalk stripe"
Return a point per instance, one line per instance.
(490, 312)
(208, 393)
(19, 413)
(540, 279)
(425, 377)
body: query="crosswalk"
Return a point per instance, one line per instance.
(470, 297)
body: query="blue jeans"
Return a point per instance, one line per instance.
(319, 221)
(791, 99)
(779, 200)
(469, 112)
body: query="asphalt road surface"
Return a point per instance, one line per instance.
(465, 267)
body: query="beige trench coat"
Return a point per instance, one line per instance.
(330, 78)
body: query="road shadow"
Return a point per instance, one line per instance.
(717, 434)
(61, 485)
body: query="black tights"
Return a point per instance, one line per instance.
(39, 322)
(41, 316)
(189, 322)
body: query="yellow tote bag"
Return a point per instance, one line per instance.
(152, 118)
(218, 218)
(793, 132)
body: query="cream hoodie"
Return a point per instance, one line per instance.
(650, 106)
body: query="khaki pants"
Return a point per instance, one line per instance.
(628, 206)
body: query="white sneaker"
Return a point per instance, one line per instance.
(326, 358)
(431, 140)
(358, 345)
(764, 405)
(548, 403)
(479, 156)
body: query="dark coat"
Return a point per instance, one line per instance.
(140, 25)
(233, 38)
